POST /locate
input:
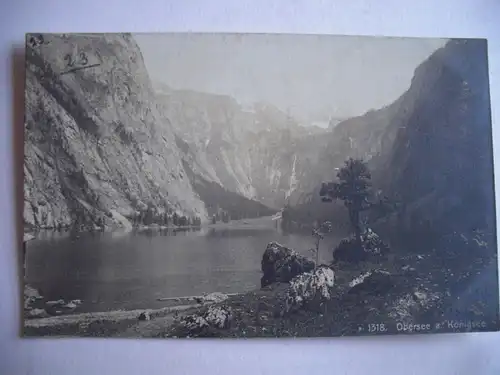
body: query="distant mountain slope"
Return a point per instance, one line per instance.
(261, 152)
(217, 197)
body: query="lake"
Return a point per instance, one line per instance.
(109, 271)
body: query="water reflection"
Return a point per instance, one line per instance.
(237, 232)
(132, 270)
(153, 232)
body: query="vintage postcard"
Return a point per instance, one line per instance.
(257, 185)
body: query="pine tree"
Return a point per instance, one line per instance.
(354, 188)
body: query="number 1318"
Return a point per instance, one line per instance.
(376, 328)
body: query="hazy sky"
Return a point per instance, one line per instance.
(339, 76)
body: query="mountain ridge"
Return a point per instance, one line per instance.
(429, 150)
(98, 145)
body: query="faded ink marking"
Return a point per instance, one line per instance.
(79, 68)
(37, 40)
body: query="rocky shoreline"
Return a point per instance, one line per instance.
(59, 318)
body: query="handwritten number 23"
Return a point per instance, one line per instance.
(81, 60)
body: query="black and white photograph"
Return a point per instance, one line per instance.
(225, 185)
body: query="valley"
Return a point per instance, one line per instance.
(136, 192)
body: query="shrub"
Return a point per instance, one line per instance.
(349, 250)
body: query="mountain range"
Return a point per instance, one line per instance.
(105, 139)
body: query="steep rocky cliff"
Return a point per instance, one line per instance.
(430, 151)
(440, 169)
(95, 141)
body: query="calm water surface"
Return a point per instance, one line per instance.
(131, 270)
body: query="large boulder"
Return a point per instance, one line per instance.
(310, 290)
(281, 264)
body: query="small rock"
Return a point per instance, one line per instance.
(194, 323)
(144, 316)
(408, 269)
(372, 243)
(83, 326)
(37, 313)
(68, 306)
(411, 304)
(420, 295)
(215, 297)
(28, 237)
(30, 292)
(218, 316)
(60, 307)
(198, 299)
(372, 282)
